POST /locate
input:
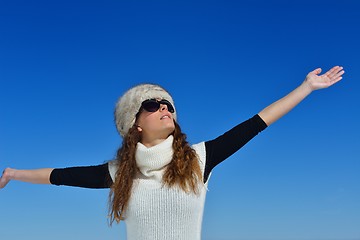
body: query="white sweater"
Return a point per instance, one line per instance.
(156, 212)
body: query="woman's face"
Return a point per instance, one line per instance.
(155, 126)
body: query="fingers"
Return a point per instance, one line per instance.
(3, 182)
(5, 178)
(335, 74)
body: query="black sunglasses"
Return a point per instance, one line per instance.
(152, 105)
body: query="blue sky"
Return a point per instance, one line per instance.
(63, 64)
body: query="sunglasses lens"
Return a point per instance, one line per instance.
(151, 105)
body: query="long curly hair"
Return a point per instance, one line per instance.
(183, 171)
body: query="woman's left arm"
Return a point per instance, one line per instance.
(313, 81)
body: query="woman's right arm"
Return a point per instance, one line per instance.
(39, 176)
(86, 177)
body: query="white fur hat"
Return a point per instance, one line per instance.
(129, 104)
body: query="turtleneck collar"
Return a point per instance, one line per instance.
(153, 160)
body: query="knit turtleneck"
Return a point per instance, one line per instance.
(152, 161)
(160, 212)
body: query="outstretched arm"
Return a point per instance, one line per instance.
(313, 81)
(40, 176)
(85, 176)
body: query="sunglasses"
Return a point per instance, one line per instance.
(152, 105)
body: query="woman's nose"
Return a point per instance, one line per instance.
(163, 107)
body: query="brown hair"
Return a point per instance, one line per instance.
(183, 170)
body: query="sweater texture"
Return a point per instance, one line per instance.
(156, 211)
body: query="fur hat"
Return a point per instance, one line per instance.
(129, 104)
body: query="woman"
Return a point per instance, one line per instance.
(158, 181)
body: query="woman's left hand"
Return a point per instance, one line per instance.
(316, 81)
(5, 178)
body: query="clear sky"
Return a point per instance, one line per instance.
(63, 65)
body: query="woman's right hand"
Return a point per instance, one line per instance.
(6, 177)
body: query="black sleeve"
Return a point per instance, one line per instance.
(86, 177)
(224, 146)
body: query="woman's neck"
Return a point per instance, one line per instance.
(153, 141)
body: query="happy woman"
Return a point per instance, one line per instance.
(158, 180)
